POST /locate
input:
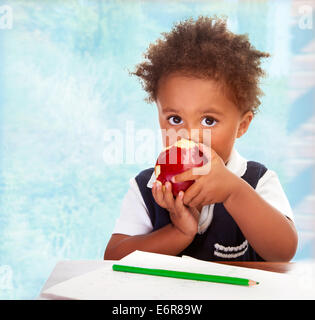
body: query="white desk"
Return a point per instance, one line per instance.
(68, 269)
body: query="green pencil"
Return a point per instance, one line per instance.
(185, 275)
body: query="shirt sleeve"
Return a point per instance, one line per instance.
(134, 217)
(270, 189)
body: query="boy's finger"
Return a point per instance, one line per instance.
(154, 193)
(159, 197)
(179, 204)
(195, 213)
(191, 192)
(201, 171)
(184, 176)
(168, 196)
(196, 201)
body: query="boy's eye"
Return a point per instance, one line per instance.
(208, 122)
(174, 120)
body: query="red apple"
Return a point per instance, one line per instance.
(177, 158)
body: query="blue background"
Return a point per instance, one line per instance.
(64, 81)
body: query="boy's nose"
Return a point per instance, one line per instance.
(188, 133)
(194, 135)
(199, 135)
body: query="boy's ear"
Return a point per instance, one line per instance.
(244, 123)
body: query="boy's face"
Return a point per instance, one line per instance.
(190, 103)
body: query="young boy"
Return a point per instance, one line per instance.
(202, 76)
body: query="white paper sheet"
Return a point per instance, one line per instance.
(105, 283)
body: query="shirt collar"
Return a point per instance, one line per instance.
(236, 164)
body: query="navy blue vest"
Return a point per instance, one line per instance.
(223, 240)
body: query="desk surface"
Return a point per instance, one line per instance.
(68, 269)
(281, 267)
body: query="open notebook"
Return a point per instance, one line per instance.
(105, 283)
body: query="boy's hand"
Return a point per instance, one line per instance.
(213, 182)
(183, 218)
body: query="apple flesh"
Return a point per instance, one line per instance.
(177, 158)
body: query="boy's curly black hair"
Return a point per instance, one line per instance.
(205, 48)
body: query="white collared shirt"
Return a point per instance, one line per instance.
(134, 216)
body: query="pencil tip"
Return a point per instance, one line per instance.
(252, 282)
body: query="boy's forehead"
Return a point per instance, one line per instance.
(177, 80)
(203, 95)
